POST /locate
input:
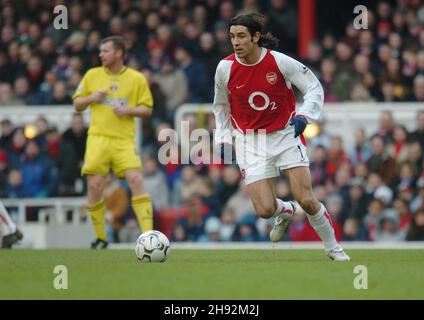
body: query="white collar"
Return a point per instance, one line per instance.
(263, 52)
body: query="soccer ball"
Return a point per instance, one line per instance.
(152, 246)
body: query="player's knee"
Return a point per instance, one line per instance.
(309, 204)
(265, 211)
(95, 188)
(135, 181)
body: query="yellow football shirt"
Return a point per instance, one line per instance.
(126, 88)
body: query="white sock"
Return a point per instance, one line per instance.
(321, 222)
(282, 205)
(6, 220)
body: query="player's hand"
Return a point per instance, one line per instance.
(299, 122)
(99, 95)
(120, 111)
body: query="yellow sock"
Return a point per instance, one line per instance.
(143, 210)
(97, 214)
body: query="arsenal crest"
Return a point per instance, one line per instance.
(271, 77)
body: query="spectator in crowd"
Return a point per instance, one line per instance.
(314, 57)
(418, 134)
(356, 202)
(385, 195)
(194, 217)
(64, 157)
(159, 99)
(195, 72)
(6, 95)
(353, 230)
(15, 151)
(209, 57)
(386, 126)
(39, 175)
(373, 217)
(318, 166)
(47, 51)
(174, 84)
(60, 94)
(282, 23)
(415, 157)
(380, 162)
(212, 230)
(336, 156)
(221, 35)
(361, 150)
(209, 197)
(228, 224)
(5, 68)
(41, 126)
(179, 233)
(404, 216)
(360, 93)
(246, 229)
(416, 229)
(418, 201)
(6, 133)
(155, 182)
(342, 183)
(406, 178)
(388, 93)
(14, 186)
(322, 137)
(44, 94)
(22, 91)
(398, 149)
(76, 135)
(388, 228)
(229, 183)
(189, 185)
(239, 203)
(328, 79)
(34, 73)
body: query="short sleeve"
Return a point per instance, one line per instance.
(144, 95)
(83, 89)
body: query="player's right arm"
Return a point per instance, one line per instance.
(83, 96)
(81, 103)
(221, 105)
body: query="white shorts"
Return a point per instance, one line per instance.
(263, 156)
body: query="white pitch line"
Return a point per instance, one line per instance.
(281, 245)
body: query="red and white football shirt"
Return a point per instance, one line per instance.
(260, 96)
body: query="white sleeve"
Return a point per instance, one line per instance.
(221, 105)
(302, 78)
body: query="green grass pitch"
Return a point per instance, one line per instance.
(211, 274)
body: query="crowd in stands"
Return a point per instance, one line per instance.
(374, 190)
(179, 44)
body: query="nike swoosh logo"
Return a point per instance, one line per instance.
(238, 87)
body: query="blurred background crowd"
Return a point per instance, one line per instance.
(374, 190)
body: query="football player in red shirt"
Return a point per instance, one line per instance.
(254, 103)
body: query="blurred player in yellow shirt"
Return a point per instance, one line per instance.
(116, 94)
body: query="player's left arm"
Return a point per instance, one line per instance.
(139, 111)
(143, 104)
(304, 79)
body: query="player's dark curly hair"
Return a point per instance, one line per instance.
(255, 22)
